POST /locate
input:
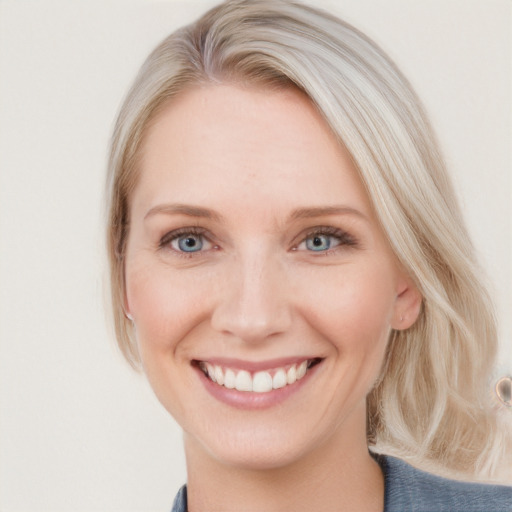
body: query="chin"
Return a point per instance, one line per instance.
(256, 450)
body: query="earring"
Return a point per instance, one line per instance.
(504, 390)
(129, 316)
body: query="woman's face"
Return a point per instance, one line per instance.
(254, 254)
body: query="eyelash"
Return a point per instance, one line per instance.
(344, 238)
(167, 239)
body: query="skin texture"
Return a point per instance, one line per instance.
(257, 175)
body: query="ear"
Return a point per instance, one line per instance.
(407, 304)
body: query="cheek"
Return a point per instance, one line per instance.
(164, 304)
(167, 308)
(354, 309)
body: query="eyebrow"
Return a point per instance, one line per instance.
(183, 209)
(307, 213)
(205, 213)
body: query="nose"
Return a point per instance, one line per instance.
(253, 302)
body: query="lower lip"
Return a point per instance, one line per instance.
(251, 400)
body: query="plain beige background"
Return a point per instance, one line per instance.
(79, 431)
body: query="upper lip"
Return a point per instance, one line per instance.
(255, 366)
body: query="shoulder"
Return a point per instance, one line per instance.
(408, 488)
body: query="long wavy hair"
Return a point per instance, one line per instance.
(431, 403)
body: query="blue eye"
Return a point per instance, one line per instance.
(323, 239)
(319, 242)
(188, 243)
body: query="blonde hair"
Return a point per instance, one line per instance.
(430, 404)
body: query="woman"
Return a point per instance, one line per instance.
(290, 267)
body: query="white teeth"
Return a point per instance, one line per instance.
(244, 381)
(291, 375)
(260, 382)
(279, 380)
(302, 369)
(229, 379)
(210, 370)
(219, 376)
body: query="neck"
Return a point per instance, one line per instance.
(340, 475)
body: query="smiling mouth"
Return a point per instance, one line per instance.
(260, 381)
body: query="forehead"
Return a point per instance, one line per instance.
(220, 140)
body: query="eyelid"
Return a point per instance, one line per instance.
(165, 241)
(176, 233)
(345, 238)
